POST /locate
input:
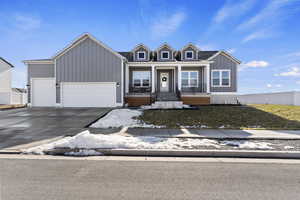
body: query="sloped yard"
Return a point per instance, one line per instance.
(232, 117)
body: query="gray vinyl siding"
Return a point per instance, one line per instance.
(201, 81)
(222, 62)
(171, 56)
(195, 56)
(141, 49)
(89, 62)
(38, 71)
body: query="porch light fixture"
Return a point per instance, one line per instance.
(118, 84)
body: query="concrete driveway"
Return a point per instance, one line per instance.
(23, 126)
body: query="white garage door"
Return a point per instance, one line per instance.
(43, 92)
(98, 94)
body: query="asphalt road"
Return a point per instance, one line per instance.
(119, 179)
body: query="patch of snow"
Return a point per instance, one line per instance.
(288, 147)
(195, 126)
(222, 126)
(86, 140)
(122, 118)
(84, 152)
(186, 106)
(248, 145)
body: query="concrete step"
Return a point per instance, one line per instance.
(167, 104)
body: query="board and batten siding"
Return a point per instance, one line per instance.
(222, 62)
(38, 71)
(89, 62)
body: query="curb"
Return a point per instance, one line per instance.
(188, 153)
(10, 151)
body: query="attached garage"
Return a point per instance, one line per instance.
(43, 92)
(92, 94)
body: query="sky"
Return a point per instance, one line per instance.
(263, 34)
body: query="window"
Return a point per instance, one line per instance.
(221, 78)
(141, 55)
(141, 79)
(165, 54)
(189, 78)
(189, 55)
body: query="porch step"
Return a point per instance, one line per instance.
(167, 104)
(167, 96)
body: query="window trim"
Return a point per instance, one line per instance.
(142, 86)
(161, 55)
(138, 55)
(220, 77)
(185, 55)
(189, 78)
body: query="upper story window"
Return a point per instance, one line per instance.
(141, 79)
(141, 55)
(221, 78)
(189, 78)
(189, 55)
(165, 55)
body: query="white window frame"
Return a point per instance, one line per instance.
(189, 79)
(138, 55)
(142, 86)
(185, 55)
(161, 55)
(220, 77)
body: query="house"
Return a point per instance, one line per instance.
(88, 73)
(5, 81)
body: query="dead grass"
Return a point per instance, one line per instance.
(233, 117)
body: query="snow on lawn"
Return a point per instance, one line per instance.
(86, 140)
(122, 118)
(248, 145)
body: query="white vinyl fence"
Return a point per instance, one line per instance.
(284, 98)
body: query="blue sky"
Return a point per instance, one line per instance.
(263, 34)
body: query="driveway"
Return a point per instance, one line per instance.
(23, 126)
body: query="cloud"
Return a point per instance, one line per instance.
(167, 25)
(274, 86)
(26, 22)
(257, 35)
(293, 54)
(294, 71)
(254, 64)
(269, 85)
(231, 9)
(231, 51)
(206, 47)
(298, 82)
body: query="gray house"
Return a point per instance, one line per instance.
(87, 73)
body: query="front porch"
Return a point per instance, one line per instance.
(187, 82)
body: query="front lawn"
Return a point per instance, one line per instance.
(233, 117)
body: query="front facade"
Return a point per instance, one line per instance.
(5, 81)
(88, 73)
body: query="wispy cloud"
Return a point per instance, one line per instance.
(298, 82)
(232, 9)
(232, 50)
(292, 54)
(167, 24)
(274, 86)
(26, 22)
(254, 64)
(266, 22)
(206, 46)
(294, 71)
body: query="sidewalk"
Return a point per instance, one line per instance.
(207, 133)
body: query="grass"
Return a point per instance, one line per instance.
(233, 117)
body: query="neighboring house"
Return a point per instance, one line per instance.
(5, 81)
(88, 73)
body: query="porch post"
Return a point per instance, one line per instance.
(207, 78)
(179, 77)
(126, 78)
(152, 78)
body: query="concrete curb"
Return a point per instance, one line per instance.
(10, 151)
(188, 153)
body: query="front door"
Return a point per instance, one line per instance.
(164, 82)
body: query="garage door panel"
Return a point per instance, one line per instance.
(88, 94)
(43, 92)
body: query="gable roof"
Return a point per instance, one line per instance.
(165, 45)
(140, 45)
(190, 45)
(5, 61)
(227, 55)
(80, 39)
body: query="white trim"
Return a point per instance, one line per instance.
(161, 55)
(190, 45)
(138, 55)
(189, 78)
(153, 78)
(208, 84)
(132, 81)
(138, 46)
(166, 67)
(38, 62)
(225, 54)
(224, 93)
(80, 39)
(171, 63)
(220, 77)
(122, 83)
(185, 55)
(126, 78)
(165, 45)
(179, 77)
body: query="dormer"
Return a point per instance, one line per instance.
(189, 52)
(165, 53)
(141, 53)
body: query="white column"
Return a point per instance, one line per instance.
(153, 78)
(179, 77)
(126, 78)
(207, 78)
